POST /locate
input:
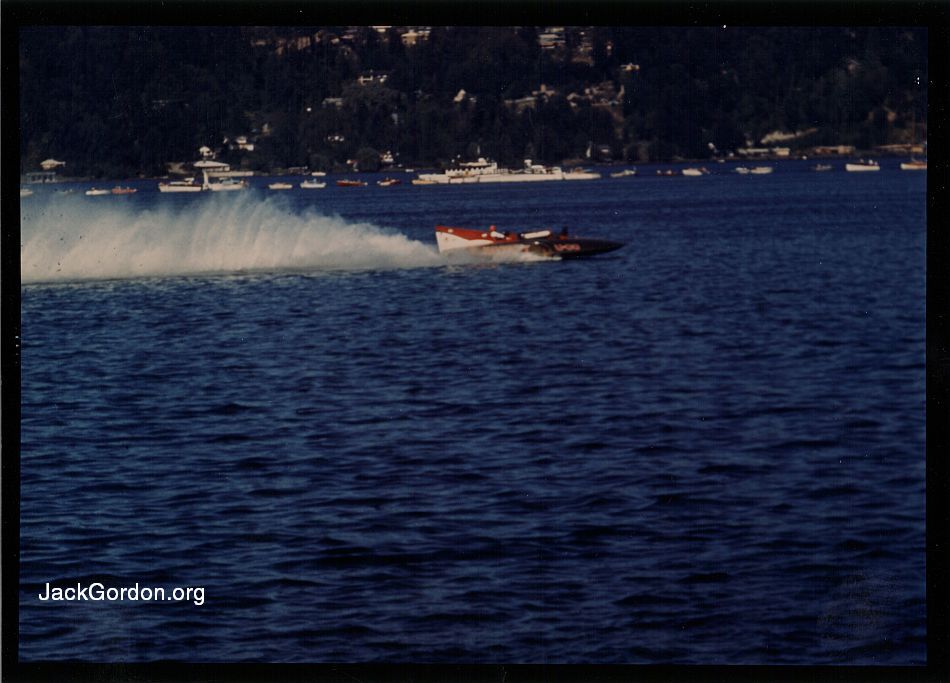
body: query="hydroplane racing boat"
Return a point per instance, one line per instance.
(540, 242)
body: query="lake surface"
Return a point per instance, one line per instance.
(707, 447)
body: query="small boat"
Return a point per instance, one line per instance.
(388, 182)
(123, 190)
(862, 165)
(575, 174)
(186, 185)
(693, 172)
(228, 185)
(350, 183)
(318, 174)
(94, 192)
(626, 173)
(25, 192)
(821, 167)
(668, 173)
(914, 164)
(755, 170)
(424, 181)
(544, 243)
(224, 185)
(484, 171)
(312, 185)
(280, 186)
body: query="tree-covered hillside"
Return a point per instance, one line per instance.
(125, 100)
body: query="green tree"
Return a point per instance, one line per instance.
(367, 159)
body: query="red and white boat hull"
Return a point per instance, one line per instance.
(450, 239)
(540, 243)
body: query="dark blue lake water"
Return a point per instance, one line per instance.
(707, 447)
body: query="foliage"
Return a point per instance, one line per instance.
(367, 159)
(120, 101)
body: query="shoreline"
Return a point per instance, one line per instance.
(279, 173)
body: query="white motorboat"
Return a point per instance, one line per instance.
(483, 171)
(626, 173)
(312, 185)
(694, 172)
(228, 185)
(914, 165)
(580, 174)
(862, 166)
(280, 186)
(186, 185)
(94, 192)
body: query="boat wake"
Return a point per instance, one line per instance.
(66, 239)
(492, 256)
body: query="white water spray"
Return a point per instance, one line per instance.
(71, 238)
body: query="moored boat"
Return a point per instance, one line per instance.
(821, 167)
(280, 186)
(123, 190)
(312, 185)
(694, 172)
(228, 185)
(186, 185)
(761, 170)
(225, 185)
(25, 192)
(914, 164)
(626, 173)
(350, 183)
(862, 165)
(95, 192)
(388, 182)
(579, 174)
(544, 243)
(484, 171)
